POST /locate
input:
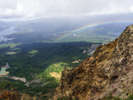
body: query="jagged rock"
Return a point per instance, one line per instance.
(10, 95)
(109, 71)
(14, 95)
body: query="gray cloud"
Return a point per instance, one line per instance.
(48, 8)
(8, 4)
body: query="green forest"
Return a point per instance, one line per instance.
(40, 64)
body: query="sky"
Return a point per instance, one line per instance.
(57, 8)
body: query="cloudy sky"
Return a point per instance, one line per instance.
(51, 8)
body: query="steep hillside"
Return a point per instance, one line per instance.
(108, 72)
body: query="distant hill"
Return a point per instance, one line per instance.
(99, 33)
(59, 30)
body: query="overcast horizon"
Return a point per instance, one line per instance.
(32, 9)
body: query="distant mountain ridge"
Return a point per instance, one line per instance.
(59, 30)
(107, 73)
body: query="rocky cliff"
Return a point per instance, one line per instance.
(14, 95)
(108, 72)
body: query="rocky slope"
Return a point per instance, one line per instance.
(14, 95)
(108, 72)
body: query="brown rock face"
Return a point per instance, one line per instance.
(109, 71)
(10, 95)
(14, 95)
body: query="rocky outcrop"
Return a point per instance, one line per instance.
(109, 71)
(9, 95)
(14, 95)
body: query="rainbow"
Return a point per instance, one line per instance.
(67, 33)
